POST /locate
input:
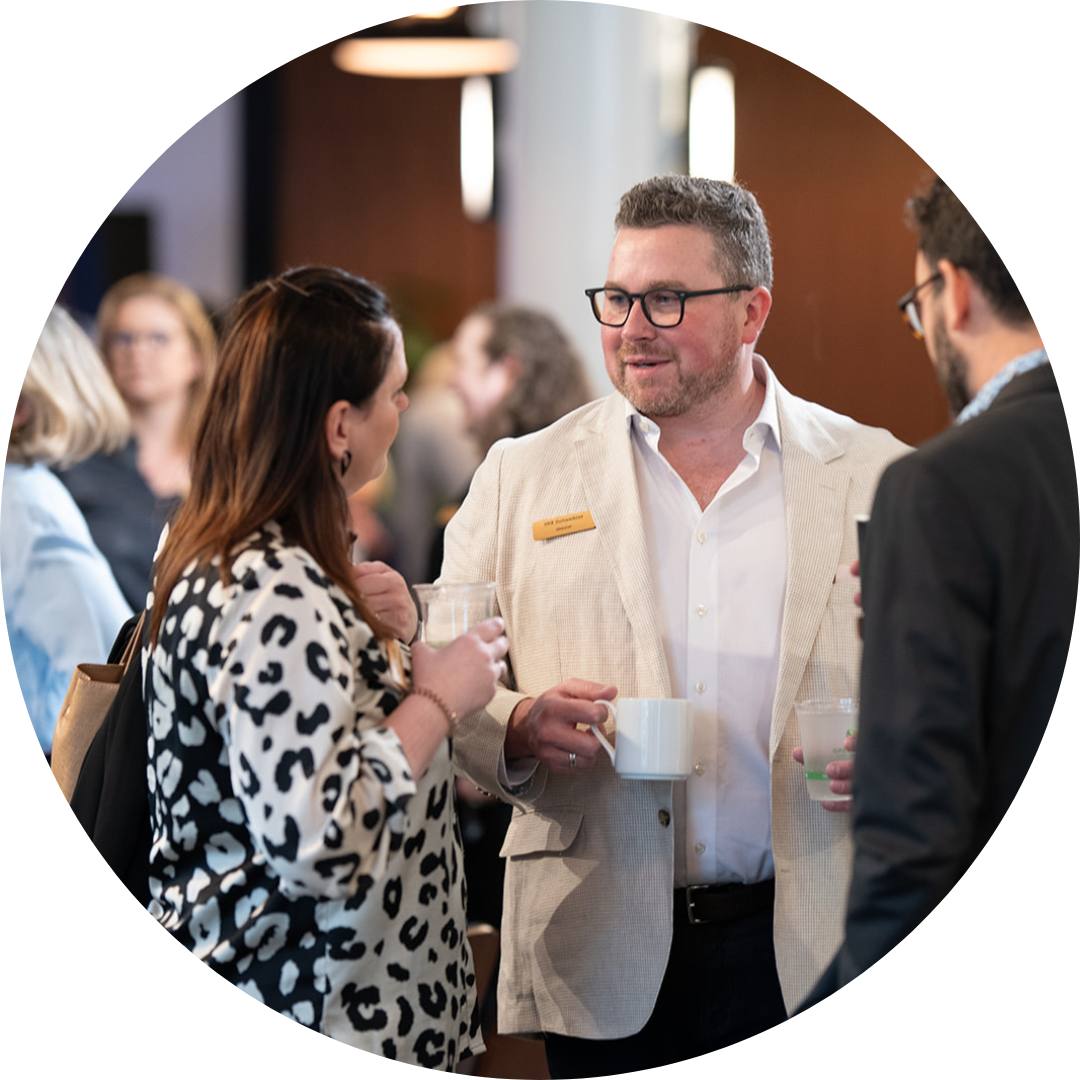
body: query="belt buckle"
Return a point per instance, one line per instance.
(690, 890)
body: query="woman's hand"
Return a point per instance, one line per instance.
(387, 596)
(465, 673)
(462, 676)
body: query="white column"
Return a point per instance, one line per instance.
(596, 103)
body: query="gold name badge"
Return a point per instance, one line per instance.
(562, 526)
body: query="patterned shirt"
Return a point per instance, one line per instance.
(992, 387)
(293, 851)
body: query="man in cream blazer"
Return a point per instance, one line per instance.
(590, 903)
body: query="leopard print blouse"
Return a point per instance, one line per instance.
(293, 851)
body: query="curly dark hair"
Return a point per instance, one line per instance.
(551, 380)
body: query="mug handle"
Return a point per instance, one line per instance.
(600, 735)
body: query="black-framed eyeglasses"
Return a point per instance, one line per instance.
(910, 311)
(662, 307)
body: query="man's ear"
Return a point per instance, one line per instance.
(956, 296)
(337, 429)
(758, 303)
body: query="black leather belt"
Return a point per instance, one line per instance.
(722, 903)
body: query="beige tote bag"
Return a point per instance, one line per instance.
(91, 691)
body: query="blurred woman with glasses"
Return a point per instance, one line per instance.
(160, 346)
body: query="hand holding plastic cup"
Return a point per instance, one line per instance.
(823, 727)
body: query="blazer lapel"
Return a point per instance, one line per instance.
(606, 463)
(816, 488)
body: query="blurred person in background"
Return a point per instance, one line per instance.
(160, 346)
(61, 602)
(62, 606)
(432, 460)
(515, 371)
(304, 839)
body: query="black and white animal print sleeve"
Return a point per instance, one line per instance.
(323, 784)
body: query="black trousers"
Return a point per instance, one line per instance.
(720, 987)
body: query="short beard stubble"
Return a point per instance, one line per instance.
(687, 392)
(952, 370)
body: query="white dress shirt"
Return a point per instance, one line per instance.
(720, 576)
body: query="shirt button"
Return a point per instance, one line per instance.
(665, 818)
(699, 769)
(699, 848)
(702, 537)
(702, 610)
(700, 687)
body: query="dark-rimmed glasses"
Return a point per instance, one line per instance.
(662, 307)
(910, 311)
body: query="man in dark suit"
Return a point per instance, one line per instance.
(969, 584)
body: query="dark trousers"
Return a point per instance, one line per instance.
(720, 987)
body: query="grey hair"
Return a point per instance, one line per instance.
(729, 212)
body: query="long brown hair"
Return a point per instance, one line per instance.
(551, 377)
(294, 345)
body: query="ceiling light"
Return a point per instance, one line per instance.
(424, 47)
(712, 123)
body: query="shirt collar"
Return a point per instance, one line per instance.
(990, 389)
(755, 435)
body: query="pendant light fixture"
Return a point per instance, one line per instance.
(441, 44)
(437, 45)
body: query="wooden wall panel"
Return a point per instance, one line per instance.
(368, 180)
(832, 181)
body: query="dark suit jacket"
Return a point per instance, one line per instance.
(969, 582)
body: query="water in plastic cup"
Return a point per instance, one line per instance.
(448, 611)
(823, 727)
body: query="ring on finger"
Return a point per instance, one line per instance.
(573, 759)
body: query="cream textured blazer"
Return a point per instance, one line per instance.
(589, 877)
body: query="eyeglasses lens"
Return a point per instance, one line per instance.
(913, 319)
(612, 307)
(661, 307)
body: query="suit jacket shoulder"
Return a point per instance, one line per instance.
(1010, 462)
(827, 434)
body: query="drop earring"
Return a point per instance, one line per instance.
(346, 461)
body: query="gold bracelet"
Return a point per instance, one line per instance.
(449, 713)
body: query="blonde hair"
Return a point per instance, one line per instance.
(77, 409)
(193, 315)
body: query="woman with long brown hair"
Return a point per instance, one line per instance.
(305, 845)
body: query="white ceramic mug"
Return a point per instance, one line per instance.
(654, 738)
